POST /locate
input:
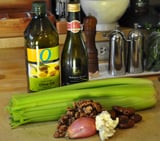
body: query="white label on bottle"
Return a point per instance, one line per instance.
(74, 26)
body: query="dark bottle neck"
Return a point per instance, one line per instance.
(73, 22)
(39, 9)
(139, 6)
(73, 16)
(39, 15)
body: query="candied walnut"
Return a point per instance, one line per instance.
(62, 128)
(88, 109)
(82, 108)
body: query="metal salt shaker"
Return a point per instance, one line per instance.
(135, 51)
(117, 65)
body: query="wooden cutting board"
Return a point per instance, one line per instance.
(13, 80)
(147, 130)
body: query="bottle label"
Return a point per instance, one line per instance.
(74, 26)
(43, 68)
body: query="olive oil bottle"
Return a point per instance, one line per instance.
(74, 59)
(42, 50)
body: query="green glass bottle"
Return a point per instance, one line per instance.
(42, 50)
(74, 59)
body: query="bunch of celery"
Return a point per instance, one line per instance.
(51, 104)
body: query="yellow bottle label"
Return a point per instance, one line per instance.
(43, 68)
(43, 55)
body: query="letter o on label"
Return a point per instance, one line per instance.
(45, 55)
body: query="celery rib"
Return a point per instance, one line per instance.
(51, 104)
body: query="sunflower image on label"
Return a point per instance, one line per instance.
(43, 68)
(74, 26)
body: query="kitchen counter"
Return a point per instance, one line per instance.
(13, 80)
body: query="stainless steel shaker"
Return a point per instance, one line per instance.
(61, 9)
(135, 50)
(117, 65)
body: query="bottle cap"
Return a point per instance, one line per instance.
(39, 7)
(73, 7)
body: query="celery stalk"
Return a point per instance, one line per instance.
(51, 104)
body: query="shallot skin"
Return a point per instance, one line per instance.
(81, 128)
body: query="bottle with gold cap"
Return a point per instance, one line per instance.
(42, 50)
(74, 59)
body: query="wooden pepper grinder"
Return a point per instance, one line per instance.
(90, 33)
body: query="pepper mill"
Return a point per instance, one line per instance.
(90, 33)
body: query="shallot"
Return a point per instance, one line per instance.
(81, 128)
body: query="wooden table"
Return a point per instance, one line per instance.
(12, 71)
(13, 80)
